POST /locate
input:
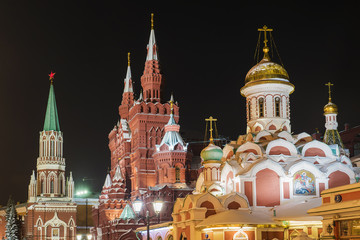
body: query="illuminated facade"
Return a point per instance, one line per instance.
(51, 211)
(149, 159)
(261, 185)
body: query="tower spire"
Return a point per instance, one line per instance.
(51, 117)
(151, 79)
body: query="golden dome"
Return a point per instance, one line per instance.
(330, 108)
(266, 70)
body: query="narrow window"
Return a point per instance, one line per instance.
(177, 174)
(261, 107)
(42, 186)
(52, 186)
(277, 107)
(249, 109)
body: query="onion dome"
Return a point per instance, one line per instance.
(211, 153)
(330, 108)
(266, 70)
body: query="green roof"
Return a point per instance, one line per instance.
(127, 213)
(51, 116)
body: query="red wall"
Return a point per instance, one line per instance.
(267, 188)
(338, 178)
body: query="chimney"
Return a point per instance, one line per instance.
(347, 127)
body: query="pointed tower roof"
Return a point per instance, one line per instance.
(117, 175)
(152, 49)
(51, 117)
(108, 182)
(127, 81)
(172, 136)
(127, 213)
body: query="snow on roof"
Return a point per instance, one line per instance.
(296, 209)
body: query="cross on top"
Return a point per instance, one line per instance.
(329, 84)
(211, 120)
(265, 29)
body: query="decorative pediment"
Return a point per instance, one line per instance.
(55, 221)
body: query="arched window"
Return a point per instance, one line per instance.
(261, 107)
(177, 174)
(277, 107)
(52, 186)
(240, 235)
(42, 186)
(249, 109)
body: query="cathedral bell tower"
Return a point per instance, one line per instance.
(331, 135)
(267, 89)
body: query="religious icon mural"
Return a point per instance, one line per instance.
(304, 183)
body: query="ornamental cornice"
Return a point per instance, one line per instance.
(267, 86)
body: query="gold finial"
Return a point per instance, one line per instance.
(152, 21)
(129, 59)
(211, 120)
(265, 48)
(172, 104)
(329, 84)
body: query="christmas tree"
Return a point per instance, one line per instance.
(12, 228)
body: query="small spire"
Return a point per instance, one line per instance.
(329, 84)
(127, 81)
(265, 48)
(51, 116)
(211, 120)
(140, 97)
(152, 20)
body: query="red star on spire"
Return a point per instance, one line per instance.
(51, 76)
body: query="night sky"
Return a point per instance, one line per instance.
(205, 52)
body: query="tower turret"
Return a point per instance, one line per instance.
(152, 78)
(171, 156)
(211, 161)
(128, 94)
(267, 89)
(331, 135)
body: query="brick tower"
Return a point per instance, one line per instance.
(132, 143)
(51, 210)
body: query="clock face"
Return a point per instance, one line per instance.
(338, 198)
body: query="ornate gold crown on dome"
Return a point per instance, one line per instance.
(266, 70)
(331, 107)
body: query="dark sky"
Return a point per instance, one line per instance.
(205, 52)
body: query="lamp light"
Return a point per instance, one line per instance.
(78, 237)
(137, 204)
(158, 204)
(89, 236)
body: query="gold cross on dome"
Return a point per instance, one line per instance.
(329, 84)
(211, 120)
(265, 29)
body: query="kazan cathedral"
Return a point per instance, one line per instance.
(261, 185)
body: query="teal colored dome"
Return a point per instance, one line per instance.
(211, 153)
